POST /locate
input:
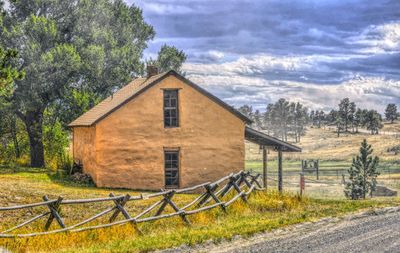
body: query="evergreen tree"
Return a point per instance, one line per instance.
(284, 118)
(344, 112)
(331, 117)
(391, 113)
(351, 116)
(300, 120)
(269, 123)
(257, 117)
(247, 110)
(340, 125)
(281, 117)
(373, 121)
(358, 119)
(362, 173)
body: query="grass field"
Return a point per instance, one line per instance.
(265, 211)
(324, 144)
(334, 155)
(395, 127)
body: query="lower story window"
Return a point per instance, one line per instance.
(171, 166)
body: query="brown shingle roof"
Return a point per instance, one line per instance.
(133, 89)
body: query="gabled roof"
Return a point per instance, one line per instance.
(266, 140)
(135, 88)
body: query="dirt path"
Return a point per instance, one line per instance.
(363, 233)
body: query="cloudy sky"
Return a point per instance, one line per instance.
(312, 51)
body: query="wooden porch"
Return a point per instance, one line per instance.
(267, 142)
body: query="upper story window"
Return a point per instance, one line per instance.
(171, 113)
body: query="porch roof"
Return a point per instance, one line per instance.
(263, 139)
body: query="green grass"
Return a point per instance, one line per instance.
(265, 211)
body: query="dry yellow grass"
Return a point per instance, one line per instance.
(324, 144)
(265, 211)
(395, 127)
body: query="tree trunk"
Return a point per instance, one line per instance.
(34, 121)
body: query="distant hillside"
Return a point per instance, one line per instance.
(395, 127)
(325, 145)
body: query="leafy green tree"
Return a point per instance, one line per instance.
(74, 103)
(169, 57)
(362, 173)
(8, 72)
(64, 46)
(391, 113)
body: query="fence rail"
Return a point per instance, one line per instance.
(242, 183)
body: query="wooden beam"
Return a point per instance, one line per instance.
(280, 187)
(265, 166)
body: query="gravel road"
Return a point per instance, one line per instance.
(371, 234)
(366, 233)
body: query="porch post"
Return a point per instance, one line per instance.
(265, 167)
(280, 170)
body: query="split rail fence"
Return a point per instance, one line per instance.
(242, 184)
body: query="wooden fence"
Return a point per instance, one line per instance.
(242, 184)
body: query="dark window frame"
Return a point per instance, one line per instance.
(169, 107)
(171, 166)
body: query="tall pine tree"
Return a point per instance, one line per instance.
(363, 173)
(391, 113)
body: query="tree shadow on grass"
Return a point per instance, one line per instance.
(62, 178)
(4, 169)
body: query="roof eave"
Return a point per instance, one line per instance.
(212, 97)
(238, 114)
(282, 145)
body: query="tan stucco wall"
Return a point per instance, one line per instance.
(130, 141)
(84, 148)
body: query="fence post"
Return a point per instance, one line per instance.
(54, 212)
(302, 184)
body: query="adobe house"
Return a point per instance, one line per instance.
(163, 131)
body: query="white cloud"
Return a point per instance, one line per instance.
(167, 8)
(216, 55)
(236, 83)
(262, 63)
(378, 39)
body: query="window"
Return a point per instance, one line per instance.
(171, 159)
(171, 118)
